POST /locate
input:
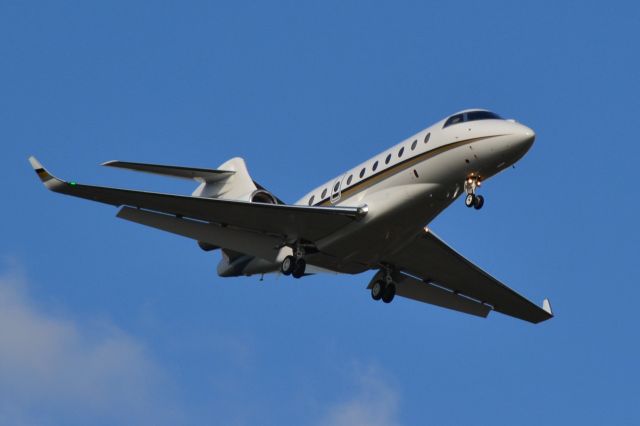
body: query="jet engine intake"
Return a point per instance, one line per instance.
(262, 196)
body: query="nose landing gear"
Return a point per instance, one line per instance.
(472, 200)
(475, 201)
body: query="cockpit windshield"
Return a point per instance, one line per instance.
(471, 116)
(482, 115)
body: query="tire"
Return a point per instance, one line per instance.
(469, 200)
(388, 293)
(478, 202)
(288, 265)
(377, 289)
(298, 268)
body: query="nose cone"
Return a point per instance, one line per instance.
(523, 138)
(528, 136)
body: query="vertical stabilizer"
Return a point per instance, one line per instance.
(233, 187)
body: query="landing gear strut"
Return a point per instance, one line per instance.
(294, 265)
(470, 186)
(384, 289)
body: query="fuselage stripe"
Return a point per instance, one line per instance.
(396, 168)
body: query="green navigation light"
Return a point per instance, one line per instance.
(72, 183)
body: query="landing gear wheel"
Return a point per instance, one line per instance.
(478, 202)
(388, 293)
(470, 200)
(298, 268)
(288, 265)
(377, 289)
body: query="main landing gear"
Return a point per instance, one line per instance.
(384, 289)
(470, 186)
(294, 265)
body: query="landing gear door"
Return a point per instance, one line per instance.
(336, 190)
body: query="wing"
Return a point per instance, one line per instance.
(285, 221)
(439, 266)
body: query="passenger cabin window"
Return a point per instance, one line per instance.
(426, 138)
(386, 161)
(362, 172)
(324, 192)
(349, 179)
(400, 152)
(375, 166)
(413, 145)
(311, 200)
(336, 187)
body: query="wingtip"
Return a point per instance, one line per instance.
(47, 178)
(109, 163)
(546, 306)
(35, 163)
(42, 173)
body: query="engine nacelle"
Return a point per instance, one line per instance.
(262, 196)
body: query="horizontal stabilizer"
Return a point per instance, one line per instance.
(198, 174)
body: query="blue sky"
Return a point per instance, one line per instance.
(103, 321)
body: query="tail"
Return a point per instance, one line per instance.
(236, 185)
(230, 181)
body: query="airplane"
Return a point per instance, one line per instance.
(374, 216)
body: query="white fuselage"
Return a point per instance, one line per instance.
(407, 186)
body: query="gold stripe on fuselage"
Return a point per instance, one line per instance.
(397, 168)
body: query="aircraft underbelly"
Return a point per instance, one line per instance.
(396, 215)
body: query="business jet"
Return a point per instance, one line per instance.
(371, 217)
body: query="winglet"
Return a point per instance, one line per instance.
(546, 306)
(47, 178)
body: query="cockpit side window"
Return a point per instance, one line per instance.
(454, 119)
(482, 115)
